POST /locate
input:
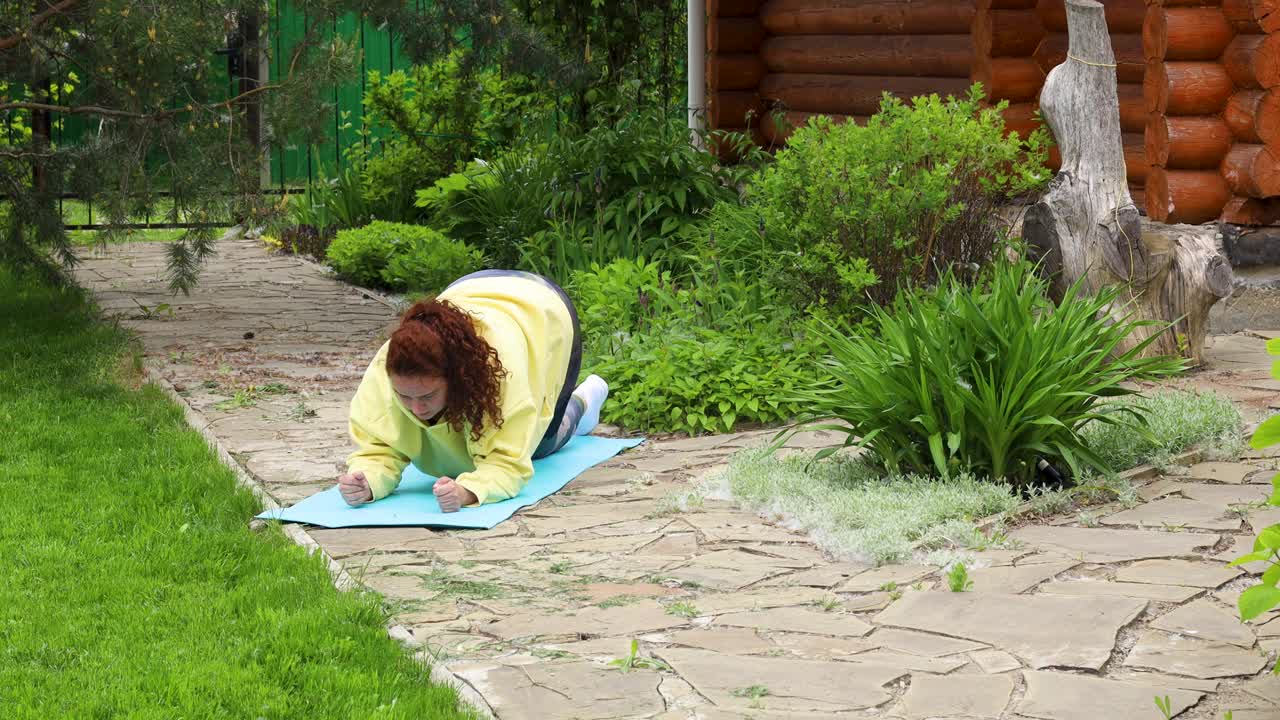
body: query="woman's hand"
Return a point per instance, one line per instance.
(355, 489)
(451, 495)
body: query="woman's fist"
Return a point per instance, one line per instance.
(451, 495)
(355, 489)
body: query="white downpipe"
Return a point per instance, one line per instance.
(697, 66)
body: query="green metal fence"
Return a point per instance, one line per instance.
(294, 165)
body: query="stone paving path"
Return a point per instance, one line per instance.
(734, 617)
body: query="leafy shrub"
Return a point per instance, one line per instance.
(305, 240)
(401, 257)
(360, 255)
(632, 188)
(983, 379)
(495, 206)
(851, 211)
(441, 115)
(701, 357)
(1266, 548)
(1175, 420)
(427, 261)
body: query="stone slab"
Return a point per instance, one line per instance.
(1060, 696)
(1082, 633)
(923, 644)
(1208, 621)
(1104, 545)
(793, 685)
(993, 662)
(641, 617)
(1188, 573)
(1223, 472)
(728, 641)
(966, 696)
(879, 578)
(1016, 578)
(1180, 655)
(798, 620)
(563, 691)
(721, 603)
(1176, 512)
(1142, 591)
(821, 647)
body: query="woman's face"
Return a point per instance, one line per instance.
(423, 395)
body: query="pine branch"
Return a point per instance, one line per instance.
(12, 41)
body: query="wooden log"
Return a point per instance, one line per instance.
(733, 108)
(1186, 3)
(1268, 119)
(741, 71)
(867, 17)
(1267, 13)
(779, 126)
(1013, 4)
(1021, 119)
(1252, 171)
(1139, 194)
(1136, 164)
(732, 8)
(849, 94)
(1187, 143)
(1241, 115)
(1240, 14)
(1186, 88)
(1250, 211)
(1185, 196)
(1190, 33)
(1123, 16)
(1133, 110)
(902, 55)
(1253, 61)
(1086, 229)
(734, 35)
(1130, 64)
(1007, 33)
(1012, 79)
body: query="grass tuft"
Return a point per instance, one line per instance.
(1176, 420)
(853, 511)
(133, 587)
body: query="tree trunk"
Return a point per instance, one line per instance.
(1087, 228)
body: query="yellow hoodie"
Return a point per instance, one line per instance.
(528, 325)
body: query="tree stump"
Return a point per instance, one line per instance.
(1087, 229)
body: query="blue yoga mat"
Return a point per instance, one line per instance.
(412, 503)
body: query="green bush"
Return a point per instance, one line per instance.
(851, 212)
(632, 188)
(441, 115)
(427, 261)
(984, 379)
(701, 357)
(400, 257)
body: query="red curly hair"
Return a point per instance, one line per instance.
(437, 339)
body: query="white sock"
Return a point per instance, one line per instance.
(592, 392)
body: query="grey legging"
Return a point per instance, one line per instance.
(568, 411)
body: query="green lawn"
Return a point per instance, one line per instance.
(130, 585)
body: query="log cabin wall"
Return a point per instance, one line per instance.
(1199, 80)
(1200, 57)
(836, 57)
(734, 68)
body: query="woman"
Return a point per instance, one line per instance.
(472, 387)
